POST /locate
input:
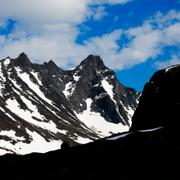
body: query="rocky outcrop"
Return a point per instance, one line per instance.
(160, 102)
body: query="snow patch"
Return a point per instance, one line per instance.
(70, 86)
(97, 123)
(60, 79)
(28, 115)
(118, 136)
(130, 112)
(169, 68)
(76, 78)
(150, 130)
(63, 131)
(126, 134)
(38, 144)
(11, 134)
(81, 140)
(34, 87)
(69, 89)
(97, 85)
(7, 61)
(108, 88)
(3, 152)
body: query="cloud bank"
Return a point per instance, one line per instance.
(48, 29)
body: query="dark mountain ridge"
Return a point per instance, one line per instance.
(42, 103)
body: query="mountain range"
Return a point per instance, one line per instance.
(149, 150)
(42, 105)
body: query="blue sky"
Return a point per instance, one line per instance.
(134, 37)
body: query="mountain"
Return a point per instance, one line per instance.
(150, 150)
(42, 105)
(160, 101)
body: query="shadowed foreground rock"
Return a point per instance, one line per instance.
(136, 156)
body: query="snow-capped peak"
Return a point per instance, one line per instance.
(43, 104)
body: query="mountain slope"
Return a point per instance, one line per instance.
(150, 150)
(43, 104)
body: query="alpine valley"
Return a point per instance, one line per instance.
(42, 105)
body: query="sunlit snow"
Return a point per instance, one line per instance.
(28, 115)
(68, 89)
(7, 62)
(108, 88)
(96, 122)
(150, 130)
(81, 140)
(118, 136)
(38, 144)
(11, 134)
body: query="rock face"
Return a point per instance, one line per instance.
(160, 102)
(43, 104)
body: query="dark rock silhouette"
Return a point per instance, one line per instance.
(65, 146)
(160, 102)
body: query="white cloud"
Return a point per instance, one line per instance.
(111, 2)
(171, 34)
(99, 13)
(165, 20)
(149, 39)
(105, 42)
(47, 29)
(146, 41)
(40, 12)
(44, 11)
(141, 48)
(62, 47)
(175, 59)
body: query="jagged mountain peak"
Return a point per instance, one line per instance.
(95, 59)
(23, 54)
(41, 102)
(22, 60)
(51, 63)
(92, 69)
(92, 62)
(52, 67)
